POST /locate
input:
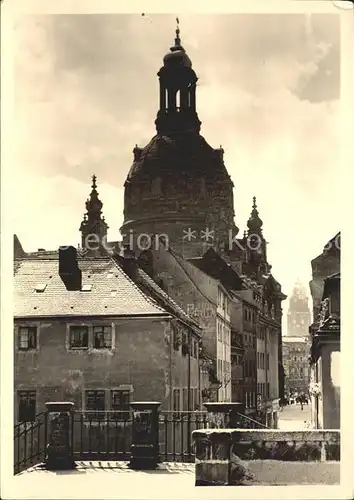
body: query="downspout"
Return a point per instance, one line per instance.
(267, 333)
(199, 403)
(170, 364)
(190, 341)
(189, 371)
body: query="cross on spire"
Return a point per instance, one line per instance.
(177, 39)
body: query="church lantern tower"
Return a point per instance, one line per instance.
(93, 228)
(178, 185)
(256, 245)
(178, 82)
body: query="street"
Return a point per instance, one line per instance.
(293, 418)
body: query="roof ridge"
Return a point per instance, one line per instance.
(169, 298)
(146, 297)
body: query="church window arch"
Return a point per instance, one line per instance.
(178, 99)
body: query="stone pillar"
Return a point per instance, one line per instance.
(212, 458)
(59, 452)
(144, 451)
(225, 415)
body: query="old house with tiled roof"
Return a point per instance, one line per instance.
(87, 333)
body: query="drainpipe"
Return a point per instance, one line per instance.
(170, 364)
(266, 371)
(199, 403)
(189, 371)
(190, 341)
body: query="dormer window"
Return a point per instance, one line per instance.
(40, 287)
(86, 288)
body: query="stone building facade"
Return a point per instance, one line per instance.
(325, 337)
(85, 332)
(296, 352)
(299, 314)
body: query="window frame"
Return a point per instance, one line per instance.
(95, 413)
(74, 347)
(29, 329)
(123, 413)
(26, 392)
(94, 333)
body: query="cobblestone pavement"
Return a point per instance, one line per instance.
(293, 418)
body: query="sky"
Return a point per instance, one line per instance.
(86, 91)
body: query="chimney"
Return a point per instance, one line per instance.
(128, 262)
(69, 270)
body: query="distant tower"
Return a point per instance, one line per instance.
(93, 227)
(299, 314)
(256, 245)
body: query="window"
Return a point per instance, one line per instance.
(267, 361)
(27, 338)
(268, 392)
(102, 337)
(95, 403)
(195, 344)
(26, 406)
(120, 402)
(78, 337)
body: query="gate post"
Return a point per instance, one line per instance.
(59, 453)
(144, 451)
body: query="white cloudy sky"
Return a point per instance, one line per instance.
(86, 91)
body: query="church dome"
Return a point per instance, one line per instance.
(187, 153)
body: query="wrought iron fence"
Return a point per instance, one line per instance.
(101, 435)
(30, 440)
(107, 435)
(175, 434)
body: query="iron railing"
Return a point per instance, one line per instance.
(101, 435)
(107, 435)
(30, 441)
(175, 434)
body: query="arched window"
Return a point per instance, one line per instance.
(178, 99)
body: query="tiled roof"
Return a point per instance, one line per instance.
(163, 298)
(112, 292)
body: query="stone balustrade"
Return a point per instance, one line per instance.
(266, 456)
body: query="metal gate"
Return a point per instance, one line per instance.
(101, 435)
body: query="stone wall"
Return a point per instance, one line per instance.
(231, 456)
(142, 360)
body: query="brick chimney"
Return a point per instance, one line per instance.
(69, 270)
(128, 262)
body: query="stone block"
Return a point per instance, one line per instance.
(212, 473)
